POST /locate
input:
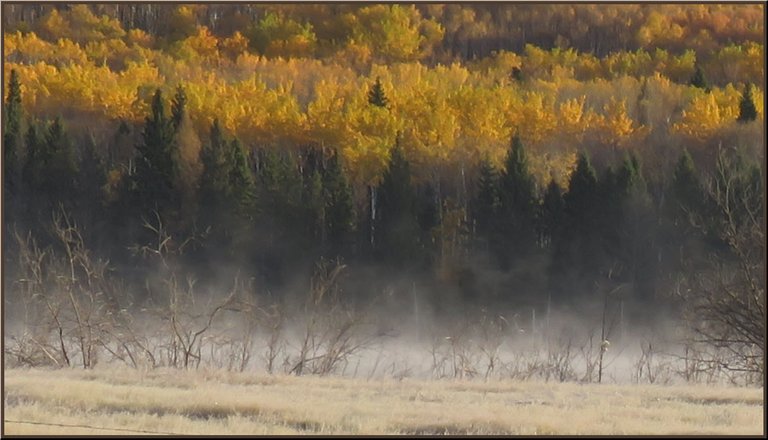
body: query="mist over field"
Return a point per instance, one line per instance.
(447, 195)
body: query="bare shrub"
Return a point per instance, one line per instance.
(725, 301)
(69, 310)
(333, 331)
(651, 367)
(559, 362)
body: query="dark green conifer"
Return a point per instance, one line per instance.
(339, 204)
(517, 201)
(157, 164)
(551, 214)
(376, 95)
(747, 110)
(12, 136)
(698, 80)
(486, 203)
(397, 227)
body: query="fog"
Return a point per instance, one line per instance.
(322, 327)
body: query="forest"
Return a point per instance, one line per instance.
(434, 160)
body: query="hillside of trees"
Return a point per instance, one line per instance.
(484, 155)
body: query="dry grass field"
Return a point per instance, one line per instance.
(131, 402)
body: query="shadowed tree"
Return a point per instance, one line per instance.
(397, 227)
(376, 94)
(747, 110)
(157, 162)
(12, 139)
(551, 214)
(339, 206)
(60, 171)
(486, 203)
(517, 203)
(698, 80)
(578, 251)
(227, 189)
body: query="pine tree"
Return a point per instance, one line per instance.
(60, 171)
(214, 179)
(35, 158)
(12, 136)
(698, 80)
(486, 202)
(686, 189)
(314, 207)
(157, 164)
(630, 230)
(280, 192)
(517, 201)
(551, 214)
(685, 198)
(92, 176)
(227, 184)
(397, 227)
(747, 110)
(376, 95)
(577, 255)
(427, 209)
(241, 183)
(90, 209)
(582, 190)
(13, 108)
(339, 205)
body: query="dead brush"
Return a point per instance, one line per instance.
(333, 331)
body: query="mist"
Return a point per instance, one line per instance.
(463, 195)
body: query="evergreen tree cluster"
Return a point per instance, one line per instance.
(269, 210)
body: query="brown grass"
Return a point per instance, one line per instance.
(217, 402)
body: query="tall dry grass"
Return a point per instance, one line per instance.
(220, 402)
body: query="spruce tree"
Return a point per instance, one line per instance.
(631, 235)
(517, 199)
(157, 164)
(241, 184)
(577, 254)
(227, 187)
(339, 205)
(698, 80)
(397, 228)
(90, 204)
(427, 209)
(13, 108)
(486, 202)
(686, 192)
(280, 192)
(685, 200)
(747, 110)
(92, 176)
(314, 207)
(551, 214)
(60, 170)
(580, 200)
(376, 94)
(215, 175)
(12, 136)
(35, 158)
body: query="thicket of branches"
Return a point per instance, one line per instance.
(511, 180)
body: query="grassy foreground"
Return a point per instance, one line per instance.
(216, 402)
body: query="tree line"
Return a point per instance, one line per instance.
(446, 31)
(270, 211)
